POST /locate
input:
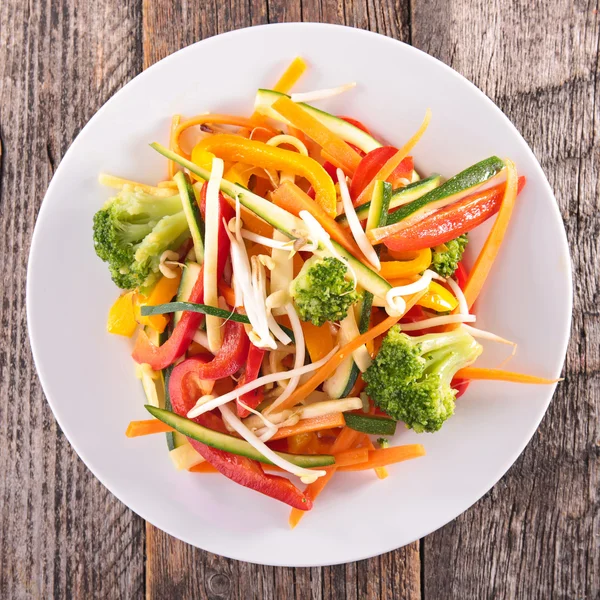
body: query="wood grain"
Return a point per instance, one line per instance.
(62, 534)
(537, 533)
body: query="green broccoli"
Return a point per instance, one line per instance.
(132, 230)
(445, 258)
(410, 376)
(321, 291)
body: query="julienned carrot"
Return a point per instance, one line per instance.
(334, 145)
(343, 442)
(290, 197)
(381, 472)
(474, 373)
(308, 425)
(227, 293)
(176, 119)
(203, 467)
(355, 456)
(137, 428)
(387, 456)
(210, 118)
(394, 161)
(334, 362)
(490, 249)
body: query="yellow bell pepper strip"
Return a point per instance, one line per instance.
(237, 149)
(490, 249)
(121, 317)
(162, 292)
(118, 183)
(438, 298)
(175, 120)
(394, 269)
(394, 161)
(318, 340)
(341, 152)
(289, 79)
(290, 197)
(210, 118)
(478, 373)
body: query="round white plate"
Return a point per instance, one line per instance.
(88, 375)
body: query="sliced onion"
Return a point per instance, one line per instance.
(291, 140)
(252, 385)
(360, 237)
(322, 94)
(437, 321)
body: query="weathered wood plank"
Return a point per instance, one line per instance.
(62, 534)
(537, 533)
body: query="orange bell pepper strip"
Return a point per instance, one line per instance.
(210, 118)
(341, 152)
(121, 317)
(237, 149)
(394, 161)
(403, 268)
(290, 197)
(490, 249)
(147, 427)
(387, 456)
(291, 75)
(479, 373)
(162, 292)
(318, 340)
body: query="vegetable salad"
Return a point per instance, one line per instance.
(296, 289)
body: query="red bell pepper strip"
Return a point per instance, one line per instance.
(255, 397)
(159, 357)
(183, 392)
(451, 221)
(370, 165)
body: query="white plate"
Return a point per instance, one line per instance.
(88, 376)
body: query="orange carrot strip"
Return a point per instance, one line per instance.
(387, 456)
(176, 119)
(251, 221)
(490, 249)
(203, 467)
(334, 145)
(351, 457)
(475, 373)
(290, 197)
(137, 428)
(209, 118)
(394, 161)
(343, 442)
(227, 293)
(381, 472)
(308, 425)
(334, 362)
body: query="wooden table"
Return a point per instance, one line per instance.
(535, 535)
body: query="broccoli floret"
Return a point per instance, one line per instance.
(445, 258)
(321, 291)
(410, 376)
(132, 230)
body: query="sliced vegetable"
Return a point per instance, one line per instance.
(185, 457)
(318, 340)
(192, 213)
(308, 425)
(235, 148)
(401, 196)
(387, 456)
(332, 143)
(190, 275)
(228, 443)
(121, 317)
(371, 424)
(291, 75)
(395, 269)
(147, 427)
(478, 373)
(347, 131)
(487, 256)
(163, 291)
(451, 191)
(251, 372)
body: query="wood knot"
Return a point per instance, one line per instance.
(219, 584)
